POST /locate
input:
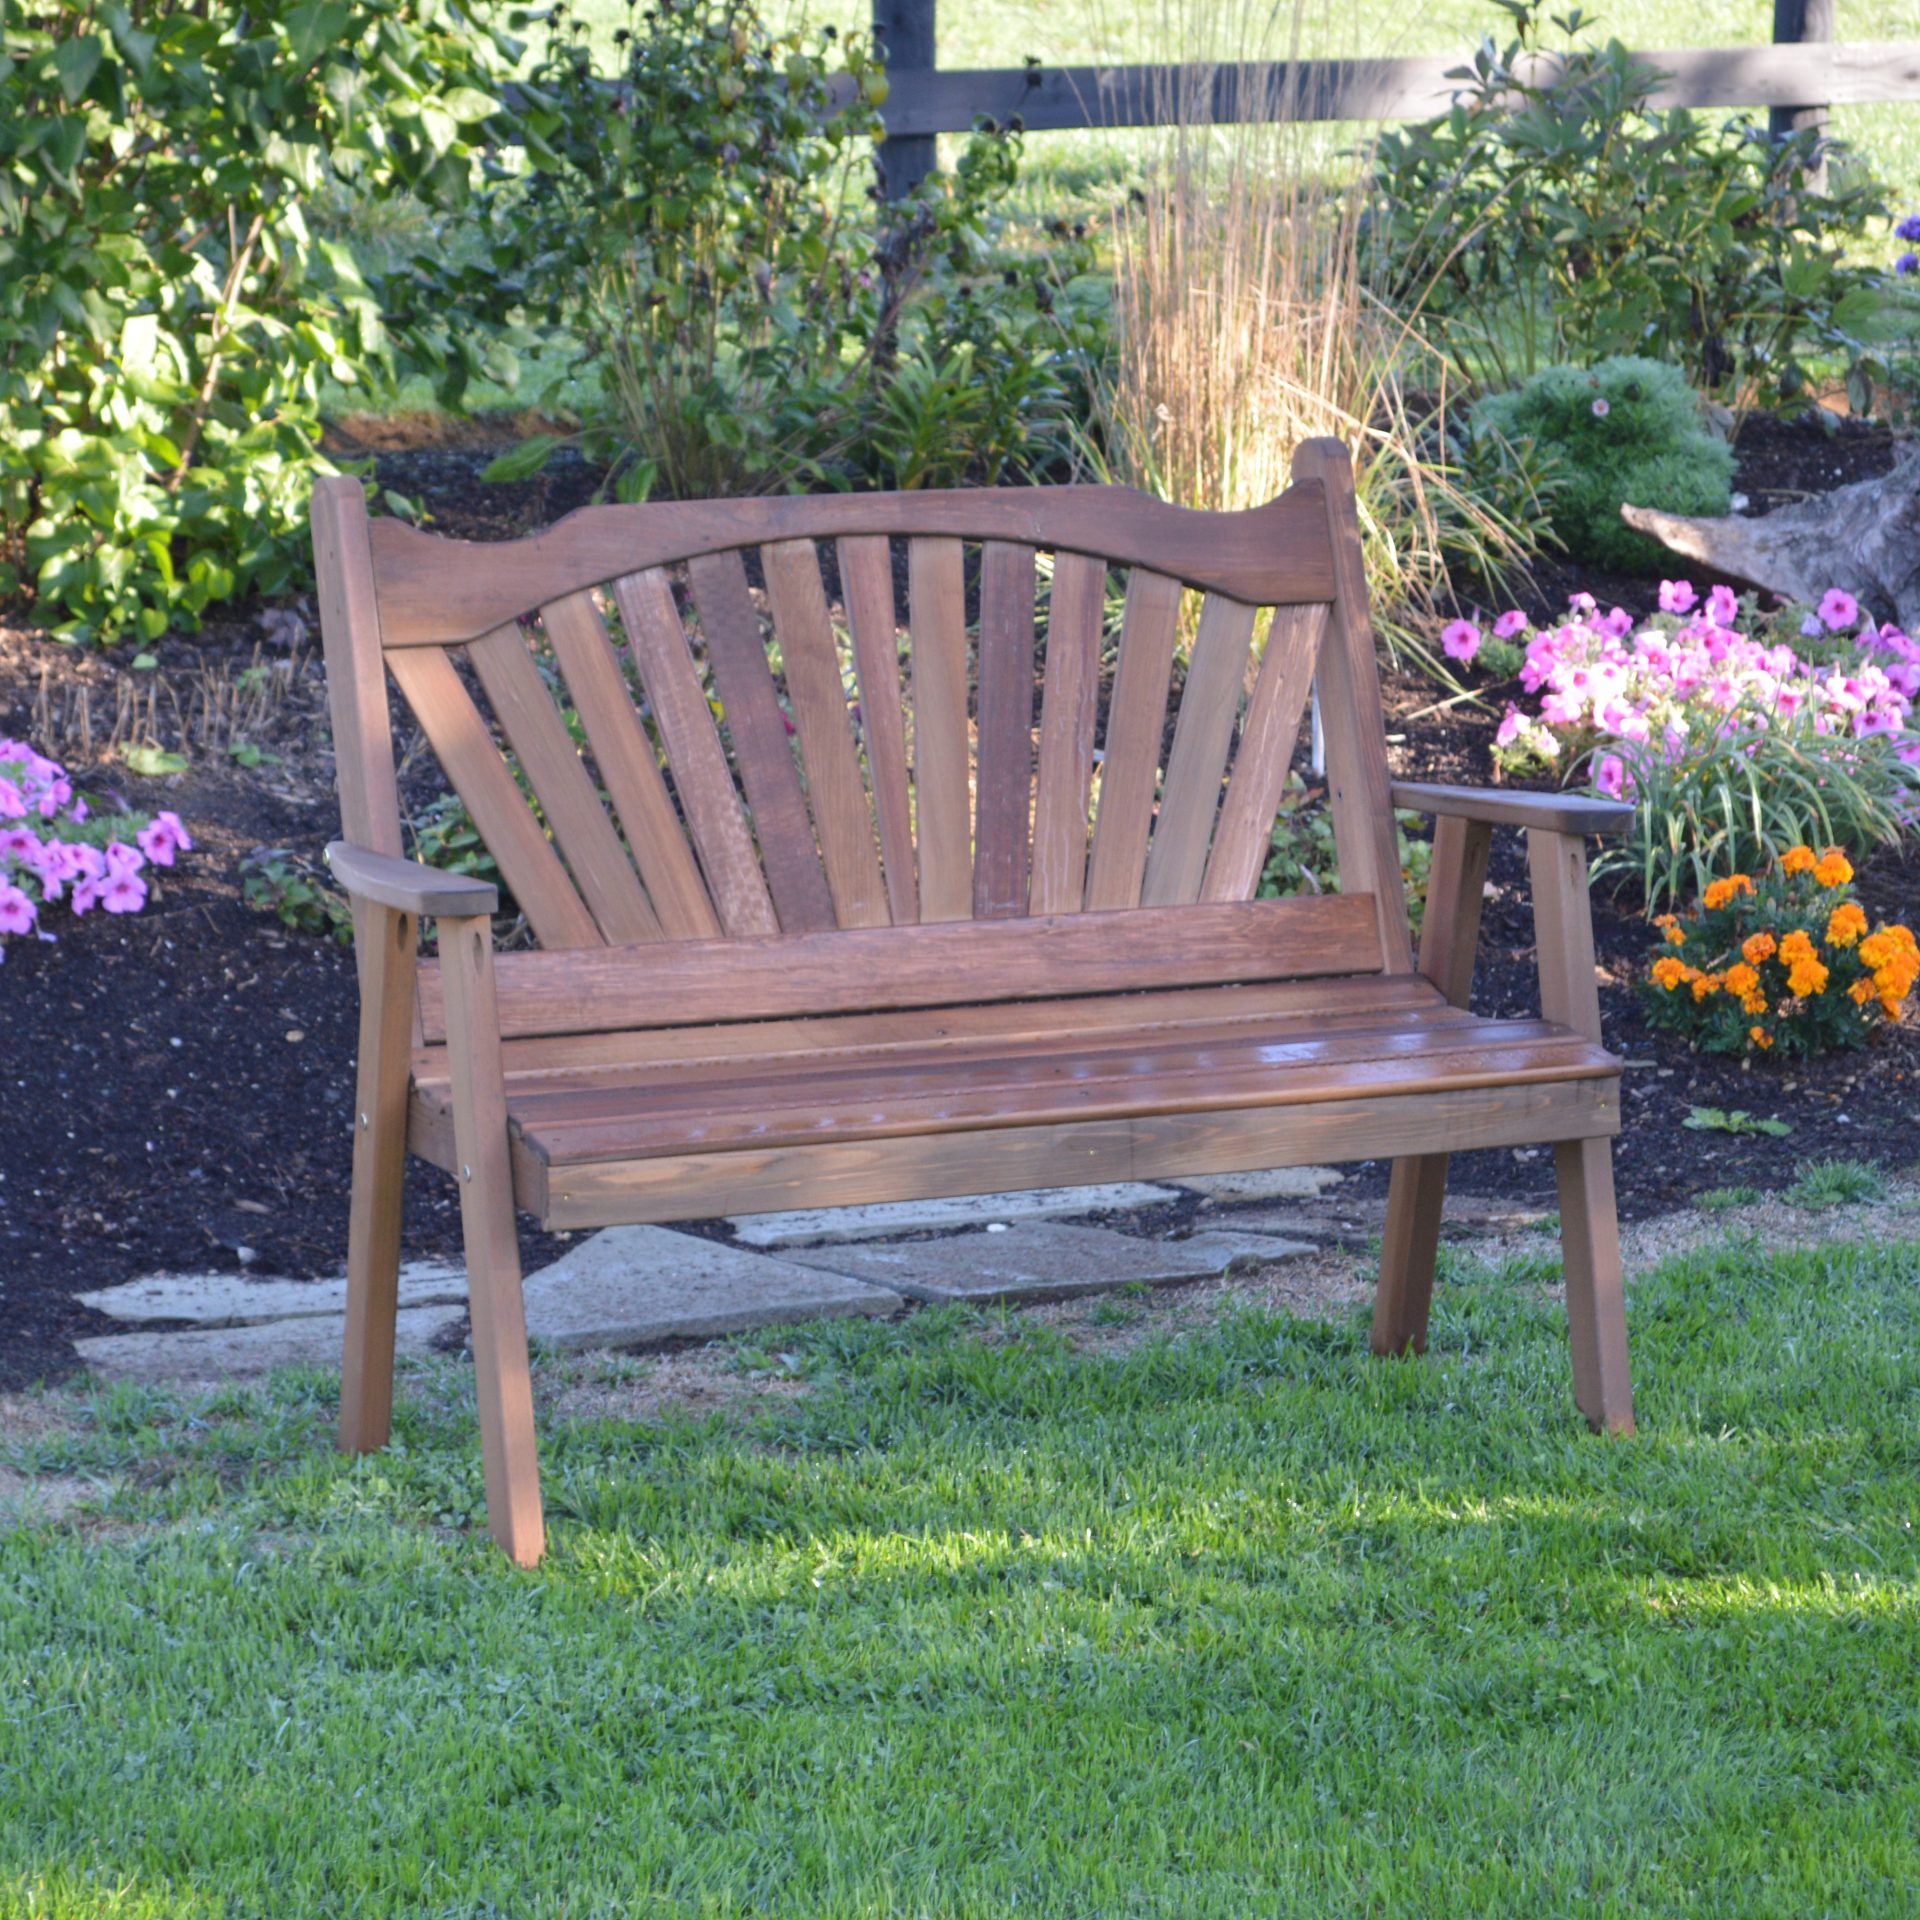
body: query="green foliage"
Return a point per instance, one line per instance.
(1553, 213)
(1824, 1184)
(1303, 858)
(296, 893)
(170, 313)
(702, 222)
(1726, 1199)
(1739, 1120)
(1628, 429)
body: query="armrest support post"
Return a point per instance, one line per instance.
(1456, 890)
(1563, 930)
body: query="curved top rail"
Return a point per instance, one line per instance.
(433, 591)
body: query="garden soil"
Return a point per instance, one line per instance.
(176, 1086)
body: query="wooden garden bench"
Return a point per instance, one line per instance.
(801, 951)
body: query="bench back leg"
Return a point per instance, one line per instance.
(1456, 887)
(1596, 1303)
(485, 1175)
(386, 945)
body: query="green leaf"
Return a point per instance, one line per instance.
(77, 61)
(525, 460)
(150, 762)
(311, 30)
(469, 104)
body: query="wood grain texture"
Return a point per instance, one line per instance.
(1136, 717)
(1003, 803)
(476, 771)
(387, 944)
(1069, 709)
(505, 1385)
(575, 816)
(1507, 807)
(842, 817)
(405, 885)
(866, 583)
(433, 591)
(628, 765)
(1197, 761)
(715, 819)
(696, 982)
(1244, 835)
(1350, 712)
(937, 608)
(995, 1159)
(1416, 1189)
(762, 747)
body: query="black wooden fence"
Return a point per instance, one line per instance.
(1797, 78)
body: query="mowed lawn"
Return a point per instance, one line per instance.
(964, 1615)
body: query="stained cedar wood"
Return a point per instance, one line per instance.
(866, 584)
(1560, 812)
(626, 760)
(842, 818)
(1351, 713)
(1197, 761)
(991, 1160)
(762, 748)
(1069, 707)
(1416, 1190)
(1242, 839)
(936, 594)
(701, 775)
(474, 768)
(1003, 803)
(1129, 775)
(695, 982)
(533, 727)
(433, 590)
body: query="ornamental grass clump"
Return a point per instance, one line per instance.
(55, 848)
(1731, 738)
(1788, 962)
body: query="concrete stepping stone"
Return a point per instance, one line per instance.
(962, 1210)
(224, 1353)
(1266, 1183)
(1044, 1260)
(630, 1285)
(233, 1297)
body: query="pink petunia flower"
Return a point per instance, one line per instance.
(1460, 639)
(123, 859)
(124, 893)
(1723, 606)
(1838, 609)
(17, 911)
(1611, 777)
(1511, 622)
(1512, 725)
(162, 838)
(1677, 596)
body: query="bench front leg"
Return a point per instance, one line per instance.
(1409, 1246)
(386, 949)
(1589, 1222)
(485, 1175)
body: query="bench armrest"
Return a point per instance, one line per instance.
(1509, 807)
(407, 886)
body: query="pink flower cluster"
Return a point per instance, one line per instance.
(49, 852)
(1605, 687)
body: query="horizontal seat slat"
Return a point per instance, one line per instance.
(683, 983)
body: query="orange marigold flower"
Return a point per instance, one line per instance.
(1891, 1004)
(1860, 992)
(1704, 984)
(1741, 981)
(1669, 924)
(1876, 949)
(1808, 978)
(1759, 947)
(1754, 1003)
(1834, 870)
(1720, 892)
(1845, 924)
(1669, 972)
(1902, 937)
(1760, 1037)
(1797, 860)
(1798, 945)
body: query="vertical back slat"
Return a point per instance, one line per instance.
(761, 748)
(1135, 722)
(937, 609)
(579, 823)
(1003, 804)
(459, 736)
(627, 764)
(1069, 706)
(866, 582)
(698, 762)
(1259, 778)
(841, 816)
(1197, 762)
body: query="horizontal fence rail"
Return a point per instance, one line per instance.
(927, 101)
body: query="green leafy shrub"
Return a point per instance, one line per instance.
(169, 311)
(704, 222)
(1554, 213)
(1303, 859)
(1628, 429)
(296, 893)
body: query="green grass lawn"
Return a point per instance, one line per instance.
(979, 1617)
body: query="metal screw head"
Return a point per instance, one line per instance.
(466, 1172)
(364, 1122)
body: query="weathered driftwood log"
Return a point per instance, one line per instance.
(1865, 538)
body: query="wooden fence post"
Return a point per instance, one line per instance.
(905, 28)
(1800, 23)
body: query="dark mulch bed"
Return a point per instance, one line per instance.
(176, 1090)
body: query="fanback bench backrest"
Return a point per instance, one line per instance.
(760, 795)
